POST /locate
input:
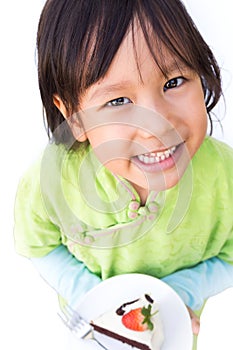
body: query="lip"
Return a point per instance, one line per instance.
(162, 165)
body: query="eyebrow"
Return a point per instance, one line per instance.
(109, 89)
(175, 66)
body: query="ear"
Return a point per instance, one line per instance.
(60, 105)
(74, 123)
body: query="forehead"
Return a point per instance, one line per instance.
(135, 53)
(134, 63)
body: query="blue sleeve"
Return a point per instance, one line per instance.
(69, 277)
(194, 285)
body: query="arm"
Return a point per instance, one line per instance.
(195, 285)
(68, 276)
(39, 239)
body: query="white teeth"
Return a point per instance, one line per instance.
(163, 157)
(151, 158)
(159, 154)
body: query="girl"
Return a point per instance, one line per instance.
(129, 181)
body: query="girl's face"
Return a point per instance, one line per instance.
(141, 125)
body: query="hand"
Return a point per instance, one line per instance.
(195, 321)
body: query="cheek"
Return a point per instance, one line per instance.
(201, 120)
(111, 144)
(197, 111)
(105, 134)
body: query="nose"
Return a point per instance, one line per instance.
(153, 122)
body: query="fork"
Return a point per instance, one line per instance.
(77, 325)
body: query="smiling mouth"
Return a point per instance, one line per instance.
(156, 157)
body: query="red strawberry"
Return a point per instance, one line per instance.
(138, 319)
(133, 320)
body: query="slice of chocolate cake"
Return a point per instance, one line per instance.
(136, 323)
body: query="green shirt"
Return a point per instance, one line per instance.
(69, 198)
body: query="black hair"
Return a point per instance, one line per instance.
(78, 39)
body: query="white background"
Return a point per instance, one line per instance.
(28, 307)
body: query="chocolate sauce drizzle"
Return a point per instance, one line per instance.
(120, 311)
(148, 298)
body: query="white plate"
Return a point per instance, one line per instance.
(119, 289)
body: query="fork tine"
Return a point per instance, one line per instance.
(75, 322)
(78, 325)
(72, 317)
(64, 319)
(73, 313)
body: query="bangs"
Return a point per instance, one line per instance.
(166, 26)
(160, 28)
(96, 38)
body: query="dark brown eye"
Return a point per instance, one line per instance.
(173, 83)
(120, 101)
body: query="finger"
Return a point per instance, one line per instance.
(195, 325)
(195, 320)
